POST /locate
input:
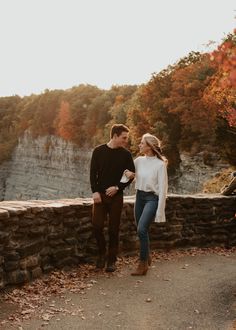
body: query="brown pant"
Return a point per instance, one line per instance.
(111, 207)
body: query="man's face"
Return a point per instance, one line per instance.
(121, 140)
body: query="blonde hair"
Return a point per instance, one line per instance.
(155, 144)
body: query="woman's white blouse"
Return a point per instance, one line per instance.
(151, 175)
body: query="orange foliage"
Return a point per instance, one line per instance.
(225, 57)
(64, 122)
(119, 99)
(222, 92)
(139, 115)
(185, 98)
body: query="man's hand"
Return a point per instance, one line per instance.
(111, 191)
(97, 197)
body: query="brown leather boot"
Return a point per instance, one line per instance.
(141, 269)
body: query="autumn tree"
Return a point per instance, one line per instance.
(38, 112)
(222, 91)
(63, 123)
(8, 125)
(185, 100)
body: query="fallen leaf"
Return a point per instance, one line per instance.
(46, 317)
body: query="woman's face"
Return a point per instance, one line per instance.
(144, 147)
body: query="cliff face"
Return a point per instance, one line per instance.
(4, 173)
(45, 168)
(51, 168)
(193, 172)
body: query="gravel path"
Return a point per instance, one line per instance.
(187, 292)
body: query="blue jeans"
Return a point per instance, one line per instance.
(144, 211)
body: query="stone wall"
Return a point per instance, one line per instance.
(37, 236)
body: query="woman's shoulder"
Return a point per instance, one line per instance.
(161, 164)
(139, 158)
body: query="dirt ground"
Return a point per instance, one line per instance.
(193, 289)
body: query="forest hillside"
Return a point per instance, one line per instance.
(190, 106)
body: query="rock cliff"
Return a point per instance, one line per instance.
(194, 171)
(49, 168)
(45, 168)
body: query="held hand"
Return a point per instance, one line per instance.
(129, 174)
(111, 191)
(97, 198)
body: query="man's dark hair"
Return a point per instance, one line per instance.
(118, 129)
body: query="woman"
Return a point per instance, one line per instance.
(151, 189)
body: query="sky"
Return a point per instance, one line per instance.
(58, 44)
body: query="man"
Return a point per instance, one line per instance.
(108, 163)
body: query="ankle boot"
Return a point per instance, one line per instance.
(141, 269)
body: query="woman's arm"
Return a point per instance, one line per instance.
(163, 187)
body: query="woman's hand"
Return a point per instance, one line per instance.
(129, 174)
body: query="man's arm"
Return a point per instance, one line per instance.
(93, 172)
(129, 166)
(93, 178)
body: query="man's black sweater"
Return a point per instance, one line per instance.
(107, 167)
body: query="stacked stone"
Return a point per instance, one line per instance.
(197, 220)
(36, 237)
(39, 236)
